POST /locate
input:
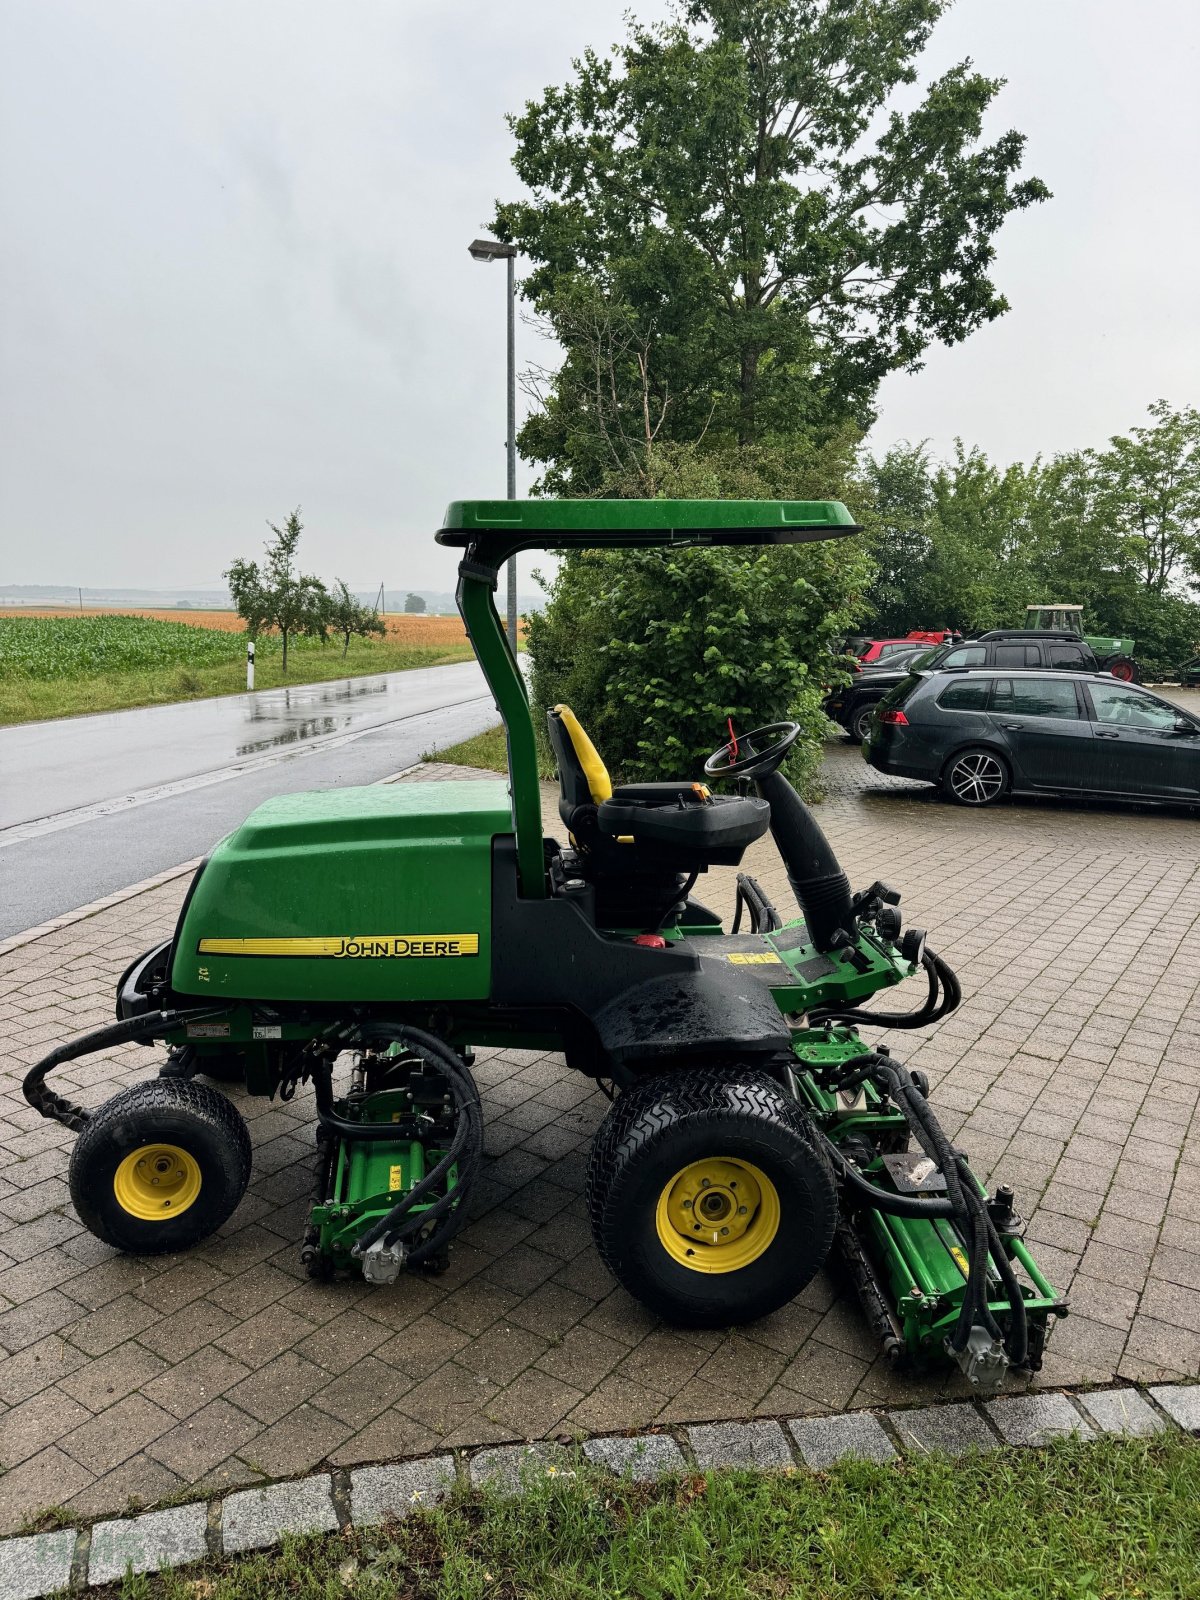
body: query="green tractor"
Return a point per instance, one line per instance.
(1113, 655)
(385, 931)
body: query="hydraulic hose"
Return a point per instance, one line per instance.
(964, 1202)
(465, 1146)
(131, 1031)
(895, 1205)
(945, 995)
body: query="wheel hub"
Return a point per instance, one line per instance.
(156, 1182)
(717, 1215)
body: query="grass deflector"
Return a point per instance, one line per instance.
(752, 1130)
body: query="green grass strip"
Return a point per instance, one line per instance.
(1115, 1518)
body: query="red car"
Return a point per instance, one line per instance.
(872, 651)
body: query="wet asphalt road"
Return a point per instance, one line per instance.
(89, 805)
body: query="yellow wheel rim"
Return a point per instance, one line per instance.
(718, 1215)
(157, 1182)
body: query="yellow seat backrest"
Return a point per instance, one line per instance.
(595, 772)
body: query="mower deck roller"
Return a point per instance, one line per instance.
(389, 930)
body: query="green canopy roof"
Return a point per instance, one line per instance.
(566, 524)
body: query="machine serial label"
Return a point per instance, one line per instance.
(208, 1030)
(371, 945)
(753, 958)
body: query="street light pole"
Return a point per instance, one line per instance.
(495, 250)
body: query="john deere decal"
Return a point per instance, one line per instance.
(357, 945)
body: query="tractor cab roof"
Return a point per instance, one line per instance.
(612, 524)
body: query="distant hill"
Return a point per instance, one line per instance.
(15, 595)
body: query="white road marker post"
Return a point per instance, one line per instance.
(250, 664)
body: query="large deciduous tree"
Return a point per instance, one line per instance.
(752, 219)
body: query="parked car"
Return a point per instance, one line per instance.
(872, 651)
(1002, 647)
(852, 703)
(980, 734)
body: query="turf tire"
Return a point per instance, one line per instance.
(170, 1111)
(660, 1126)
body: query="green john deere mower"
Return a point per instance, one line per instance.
(752, 1131)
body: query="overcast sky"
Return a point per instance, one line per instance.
(233, 267)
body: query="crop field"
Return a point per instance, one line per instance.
(56, 663)
(79, 646)
(402, 626)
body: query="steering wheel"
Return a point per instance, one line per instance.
(753, 755)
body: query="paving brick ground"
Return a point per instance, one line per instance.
(1071, 1071)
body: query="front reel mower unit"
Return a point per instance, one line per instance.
(371, 938)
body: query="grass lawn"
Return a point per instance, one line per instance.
(29, 699)
(1072, 1522)
(486, 749)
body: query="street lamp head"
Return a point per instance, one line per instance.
(490, 250)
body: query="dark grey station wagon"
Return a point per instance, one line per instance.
(980, 735)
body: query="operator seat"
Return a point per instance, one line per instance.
(678, 826)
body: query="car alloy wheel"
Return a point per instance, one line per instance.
(976, 778)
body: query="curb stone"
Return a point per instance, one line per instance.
(1181, 1402)
(255, 1518)
(144, 1544)
(740, 1444)
(1036, 1418)
(1121, 1411)
(853, 1435)
(948, 1430)
(647, 1456)
(35, 1565)
(377, 1493)
(508, 1468)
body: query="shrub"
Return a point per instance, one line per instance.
(655, 650)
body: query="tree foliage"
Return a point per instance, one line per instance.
(275, 594)
(656, 649)
(967, 544)
(413, 604)
(735, 212)
(347, 615)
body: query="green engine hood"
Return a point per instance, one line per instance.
(380, 893)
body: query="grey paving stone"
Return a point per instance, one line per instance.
(146, 1544)
(1036, 1418)
(1121, 1411)
(824, 1440)
(740, 1444)
(36, 1566)
(649, 1455)
(509, 1466)
(377, 1493)
(258, 1517)
(950, 1430)
(1180, 1401)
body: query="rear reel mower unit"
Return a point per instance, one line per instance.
(753, 1132)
